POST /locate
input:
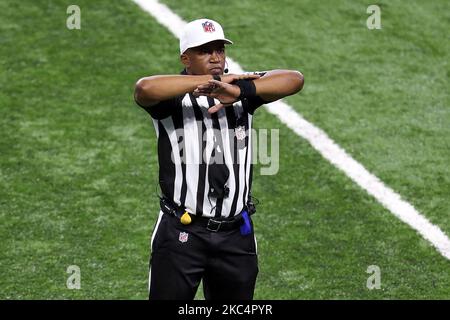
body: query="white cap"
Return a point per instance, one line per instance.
(199, 32)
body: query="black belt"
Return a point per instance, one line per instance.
(214, 224)
(211, 224)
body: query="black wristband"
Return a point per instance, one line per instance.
(217, 77)
(248, 89)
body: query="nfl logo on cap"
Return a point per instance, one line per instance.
(208, 26)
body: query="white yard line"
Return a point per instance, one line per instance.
(325, 146)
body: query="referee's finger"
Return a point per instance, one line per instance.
(249, 76)
(204, 90)
(205, 85)
(217, 83)
(215, 108)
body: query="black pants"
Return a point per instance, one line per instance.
(184, 255)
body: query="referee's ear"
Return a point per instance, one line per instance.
(184, 58)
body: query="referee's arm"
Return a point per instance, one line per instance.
(151, 90)
(277, 84)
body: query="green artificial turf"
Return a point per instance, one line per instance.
(78, 162)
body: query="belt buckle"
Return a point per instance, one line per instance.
(217, 224)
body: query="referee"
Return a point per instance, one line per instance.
(203, 122)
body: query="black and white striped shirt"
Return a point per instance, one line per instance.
(205, 160)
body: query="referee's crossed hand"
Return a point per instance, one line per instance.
(224, 91)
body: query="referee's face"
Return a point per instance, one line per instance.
(205, 59)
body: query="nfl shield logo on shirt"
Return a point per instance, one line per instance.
(240, 132)
(183, 237)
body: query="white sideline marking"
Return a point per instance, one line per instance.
(325, 146)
